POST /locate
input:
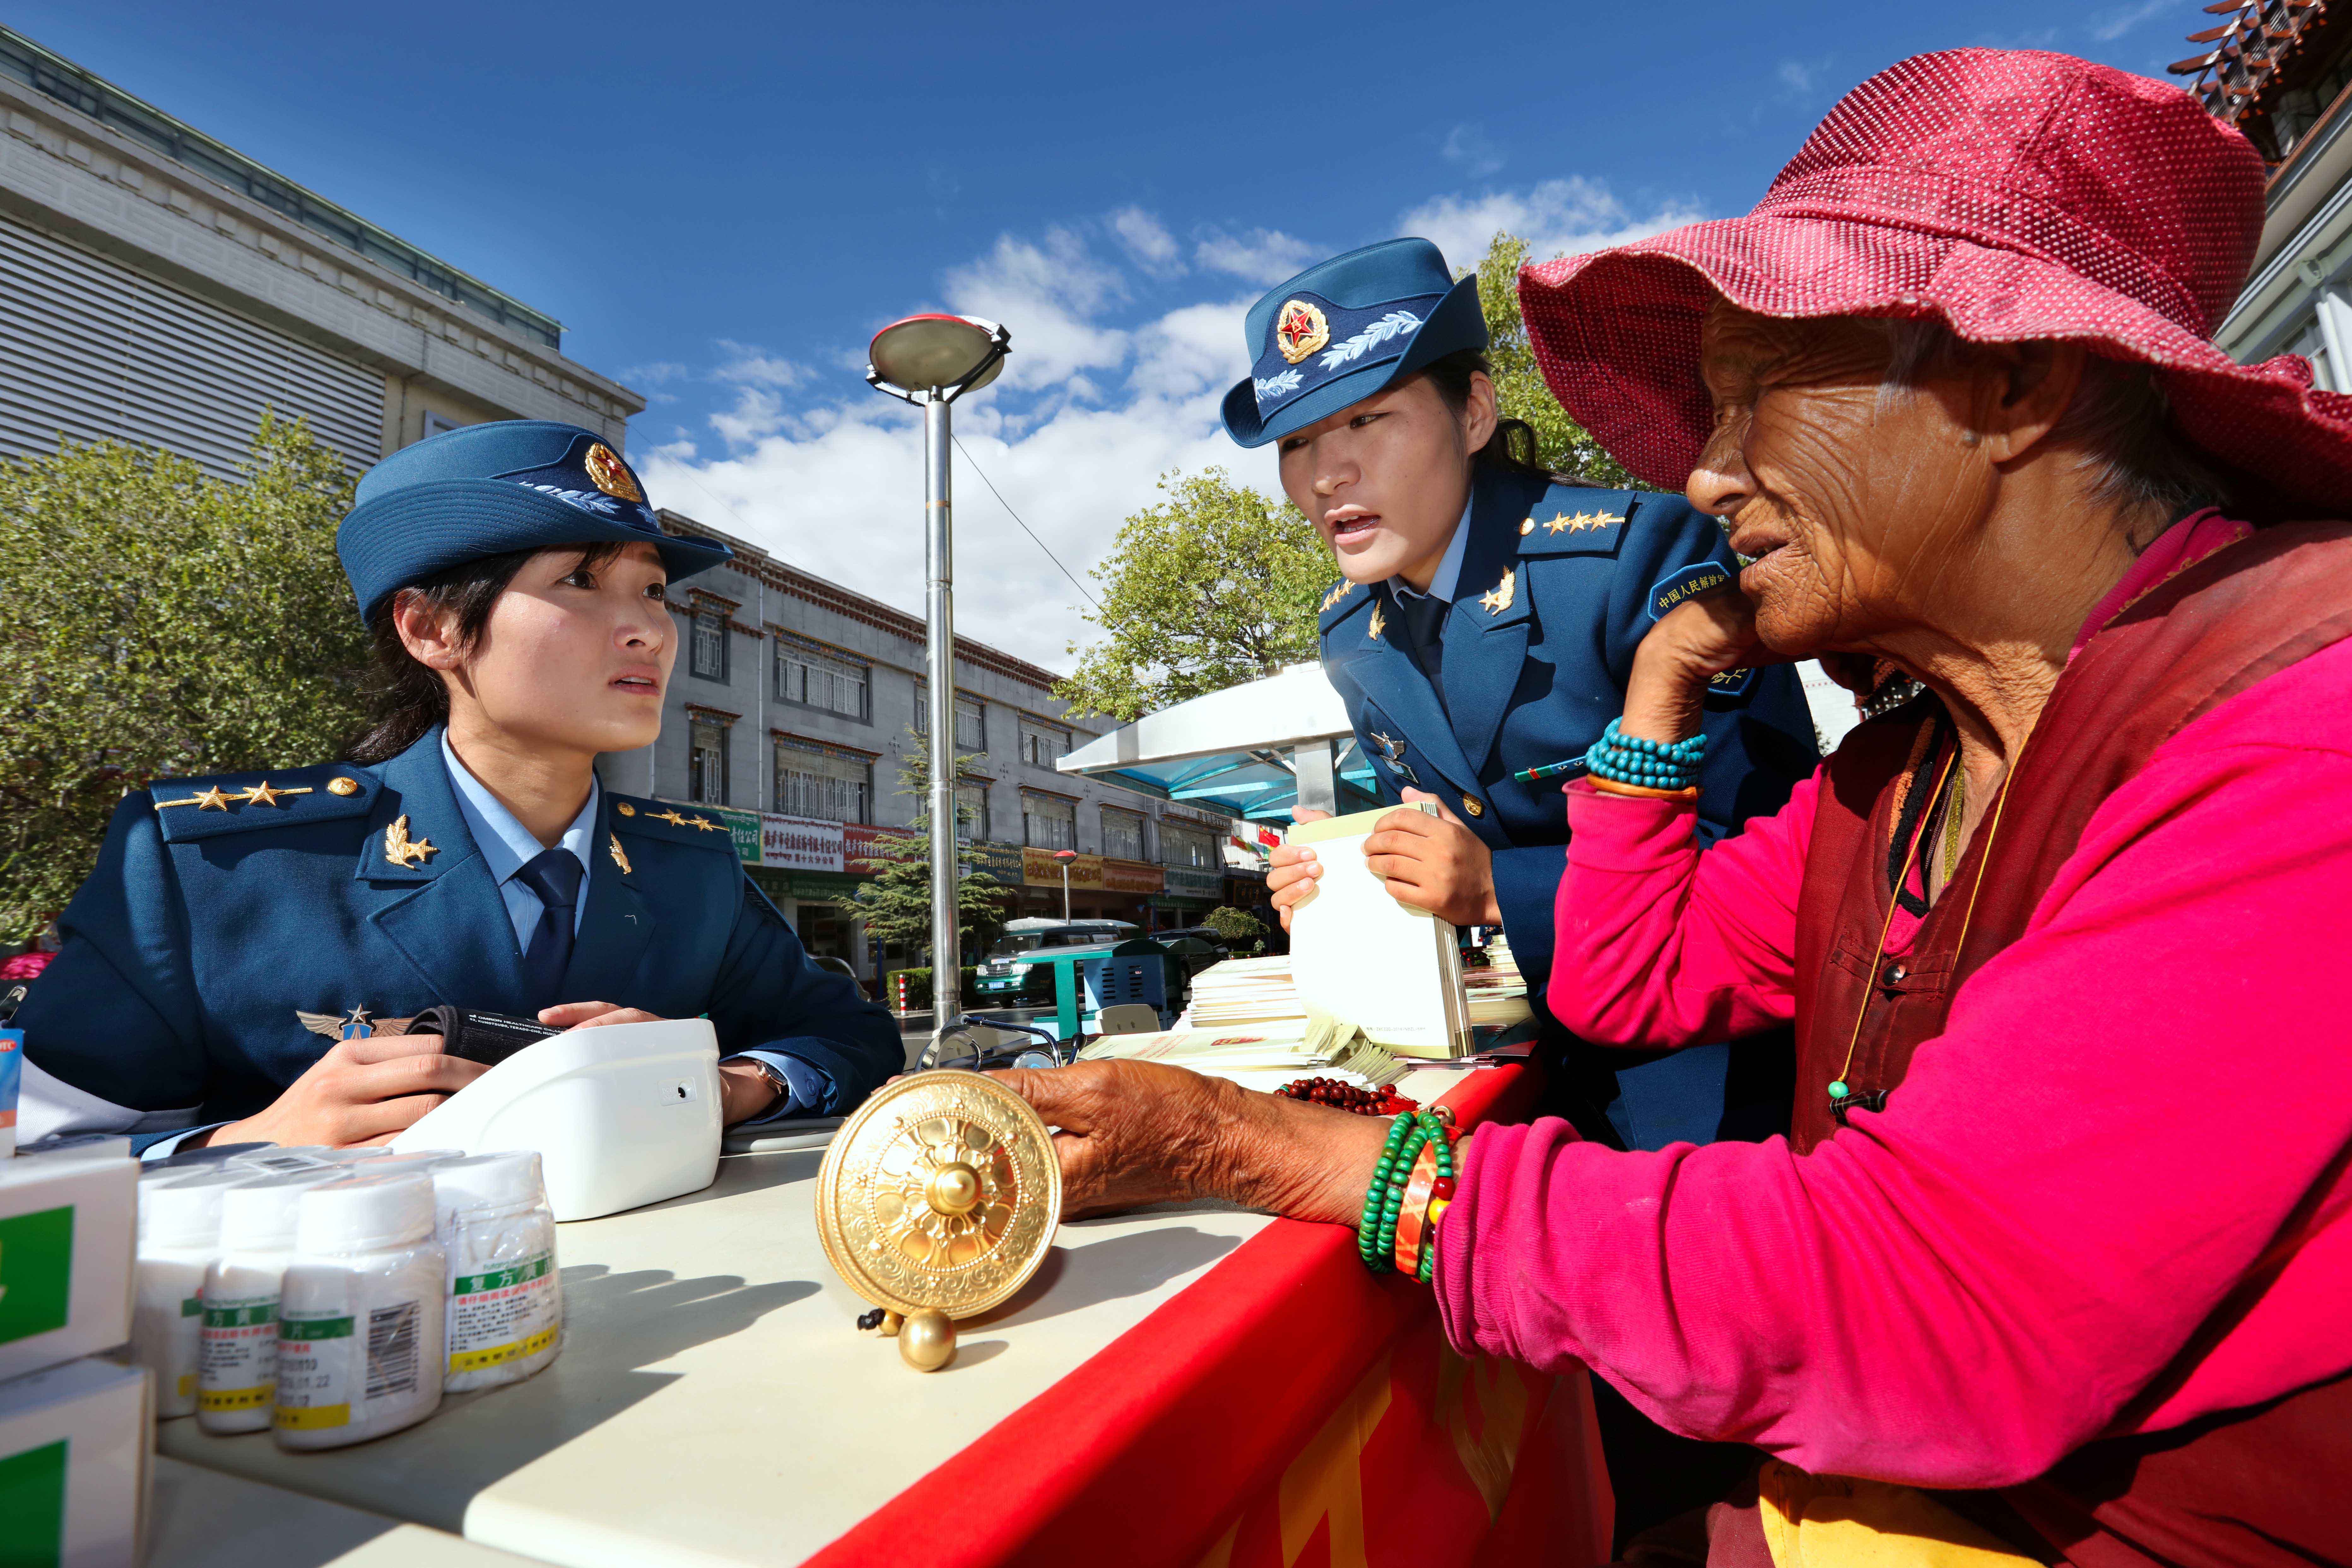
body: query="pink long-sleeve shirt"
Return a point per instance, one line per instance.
(2111, 1197)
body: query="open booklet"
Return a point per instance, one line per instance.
(1359, 957)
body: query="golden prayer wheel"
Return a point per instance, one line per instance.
(941, 1194)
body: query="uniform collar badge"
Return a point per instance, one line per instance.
(400, 850)
(1499, 599)
(1389, 748)
(613, 843)
(1379, 622)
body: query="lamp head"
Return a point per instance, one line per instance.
(943, 356)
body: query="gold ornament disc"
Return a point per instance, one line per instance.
(941, 1192)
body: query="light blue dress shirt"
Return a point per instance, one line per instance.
(1449, 569)
(507, 846)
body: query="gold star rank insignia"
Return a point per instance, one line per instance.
(262, 794)
(612, 842)
(1558, 524)
(1499, 599)
(707, 825)
(1380, 623)
(213, 799)
(670, 816)
(400, 850)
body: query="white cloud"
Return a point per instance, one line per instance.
(1556, 218)
(1470, 146)
(2109, 25)
(1147, 240)
(1259, 255)
(1051, 293)
(757, 367)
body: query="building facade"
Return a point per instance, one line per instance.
(2281, 71)
(164, 289)
(798, 713)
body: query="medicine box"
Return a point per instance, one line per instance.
(66, 1250)
(73, 1466)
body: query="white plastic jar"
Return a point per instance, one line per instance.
(505, 1306)
(179, 1236)
(237, 1363)
(359, 1317)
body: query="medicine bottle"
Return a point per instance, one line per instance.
(237, 1363)
(506, 1308)
(359, 1319)
(179, 1235)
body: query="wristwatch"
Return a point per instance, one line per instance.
(775, 1077)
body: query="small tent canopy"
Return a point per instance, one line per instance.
(1253, 751)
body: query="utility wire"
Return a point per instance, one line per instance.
(1015, 516)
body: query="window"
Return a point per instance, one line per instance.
(437, 423)
(972, 814)
(821, 681)
(971, 727)
(706, 762)
(1048, 823)
(1042, 745)
(1180, 846)
(1122, 834)
(710, 642)
(830, 785)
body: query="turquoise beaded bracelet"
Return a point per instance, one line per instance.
(1653, 764)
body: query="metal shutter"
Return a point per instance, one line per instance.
(92, 349)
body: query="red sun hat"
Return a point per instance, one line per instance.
(2015, 195)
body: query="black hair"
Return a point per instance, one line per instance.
(1513, 447)
(405, 698)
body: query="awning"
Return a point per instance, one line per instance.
(1244, 751)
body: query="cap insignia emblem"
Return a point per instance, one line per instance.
(612, 842)
(1499, 599)
(1380, 623)
(1300, 329)
(400, 850)
(611, 476)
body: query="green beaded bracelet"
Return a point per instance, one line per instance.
(1383, 1173)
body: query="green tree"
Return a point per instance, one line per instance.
(159, 622)
(1215, 585)
(897, 901)
(1561, 444)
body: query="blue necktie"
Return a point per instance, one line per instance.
(554, 875)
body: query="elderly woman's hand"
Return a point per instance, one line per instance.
(1143, 1132)
(1692, 644)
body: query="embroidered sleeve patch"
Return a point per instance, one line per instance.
(1699, 577)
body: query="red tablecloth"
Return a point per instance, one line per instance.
(1288, 1408)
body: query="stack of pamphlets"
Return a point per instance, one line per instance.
(1244, 991)
(1498, 993)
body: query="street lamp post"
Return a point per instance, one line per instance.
(931, 360)
(1065, 856)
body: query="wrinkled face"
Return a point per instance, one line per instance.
(575, 658)
(1385, 481)
(1857, 504)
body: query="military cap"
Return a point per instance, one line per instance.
(485, 489)
(1345, 329)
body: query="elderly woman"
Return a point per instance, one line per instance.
(2064, 1223)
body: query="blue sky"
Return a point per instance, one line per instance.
(722, 201)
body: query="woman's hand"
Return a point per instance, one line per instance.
(1692, 644)
(745, 1090)
(1291, 870)
(1435, 863)
(1144, 1132)
(361, 1092)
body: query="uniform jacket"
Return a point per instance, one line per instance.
(223, 907)
(1559, 585)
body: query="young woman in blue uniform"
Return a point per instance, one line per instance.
(243, 961)
(1484, 627)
